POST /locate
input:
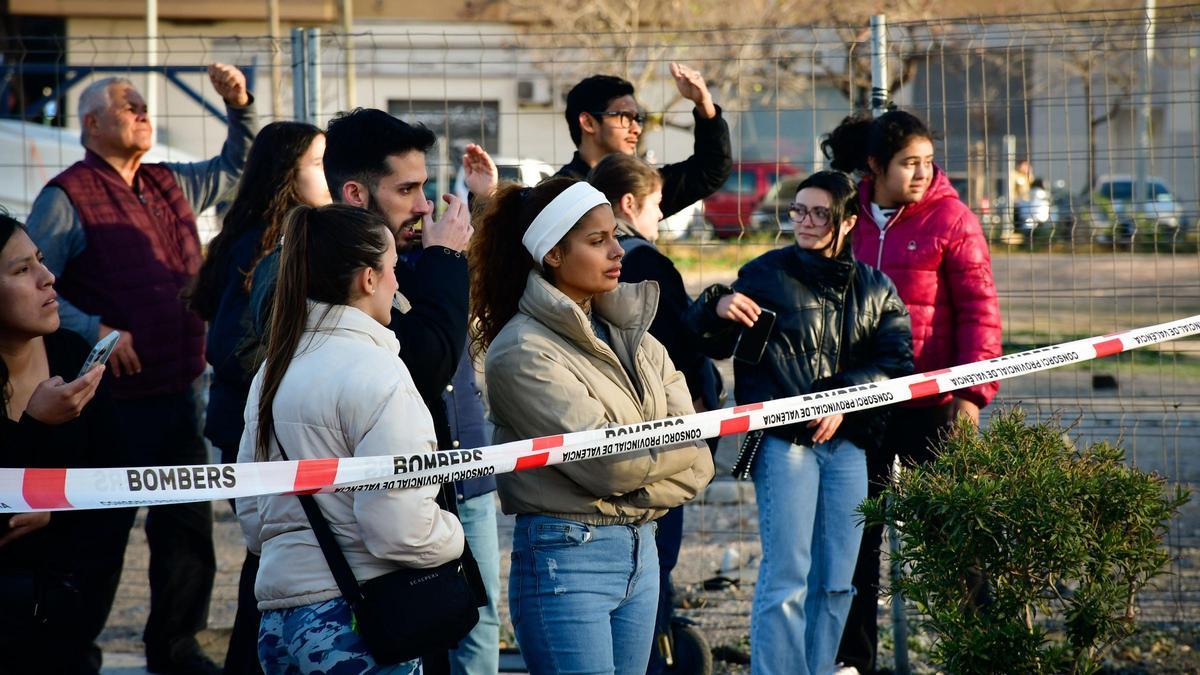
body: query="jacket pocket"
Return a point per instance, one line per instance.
(559, 535)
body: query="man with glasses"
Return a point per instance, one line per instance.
(604, 118)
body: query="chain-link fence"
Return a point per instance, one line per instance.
(1074, 136)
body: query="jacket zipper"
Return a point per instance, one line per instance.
(883, 233)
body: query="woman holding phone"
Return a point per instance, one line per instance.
(838, 323)
(54, 418)
(568, 349)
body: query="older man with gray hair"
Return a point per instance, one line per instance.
(121, 237)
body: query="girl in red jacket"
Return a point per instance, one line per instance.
(913, 226)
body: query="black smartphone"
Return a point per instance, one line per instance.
(753, 341)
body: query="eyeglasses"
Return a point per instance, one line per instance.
(818, 214)
(624, 118)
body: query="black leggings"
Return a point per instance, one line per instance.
(914, 434)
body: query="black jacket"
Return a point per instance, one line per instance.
(433, 339)
(643, 261)
(840, 323)
(92, 440)
(691, 180)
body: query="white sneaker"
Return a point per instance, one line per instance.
(845, 670)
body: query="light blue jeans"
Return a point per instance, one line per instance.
(317, 639)
(583, 597)
(479, 652)
(810, 534)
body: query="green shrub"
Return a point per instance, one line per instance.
(1058, 536)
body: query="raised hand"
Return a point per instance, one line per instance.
(691, 86)
(480, 172)
(230, 84)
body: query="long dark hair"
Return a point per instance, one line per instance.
(323, 249)
(266, 192)
(843, 200)
(861, 136)
(8, 227)
(499, 261)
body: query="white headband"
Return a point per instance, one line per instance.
(559, 216)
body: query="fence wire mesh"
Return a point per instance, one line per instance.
(1094, 102)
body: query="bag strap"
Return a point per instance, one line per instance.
(344, 576)
(338, 565)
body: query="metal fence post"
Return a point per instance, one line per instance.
(1010, 194)
(313, 67)
(299, 76)
(879, 104)
(879, 66)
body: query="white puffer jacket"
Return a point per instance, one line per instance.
(345, 394)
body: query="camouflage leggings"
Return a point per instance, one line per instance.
(317, 640)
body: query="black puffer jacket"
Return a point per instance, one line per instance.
(840, 323)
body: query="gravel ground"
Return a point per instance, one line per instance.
(1154, 411)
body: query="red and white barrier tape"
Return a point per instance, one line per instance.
(62, 489)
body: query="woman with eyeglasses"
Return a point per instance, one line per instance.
(839, 323)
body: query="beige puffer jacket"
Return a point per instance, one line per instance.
(547, 373)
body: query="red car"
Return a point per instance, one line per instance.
(729, 208)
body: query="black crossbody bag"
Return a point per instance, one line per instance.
(411, 612)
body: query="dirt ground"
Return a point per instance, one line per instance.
(1151, 404)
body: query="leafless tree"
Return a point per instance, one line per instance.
(798, 43)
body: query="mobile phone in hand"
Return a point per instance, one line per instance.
(100, 353)
(753, 341)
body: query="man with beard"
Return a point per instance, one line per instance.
(377, 162)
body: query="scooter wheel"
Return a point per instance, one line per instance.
(692, 653)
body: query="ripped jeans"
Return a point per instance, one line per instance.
(807, 498)
(583, 598)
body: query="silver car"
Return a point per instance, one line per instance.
(1114, 212)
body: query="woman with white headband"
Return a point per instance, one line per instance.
(568, 350)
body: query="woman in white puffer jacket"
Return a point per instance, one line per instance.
(333, 386)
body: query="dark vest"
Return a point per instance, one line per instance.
(142, 250)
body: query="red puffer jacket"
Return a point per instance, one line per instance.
(935, 253)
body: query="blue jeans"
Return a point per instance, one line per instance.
(583, 597)
(810, 534)
(479, 652)
(317, 639)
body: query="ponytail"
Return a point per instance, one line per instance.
(323, 249)
(500, 263)
(860, 137)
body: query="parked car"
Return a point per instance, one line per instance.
(528, 172)
(729, 208)
(1111, 212)
(771, 214)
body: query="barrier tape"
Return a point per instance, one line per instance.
(63, 489)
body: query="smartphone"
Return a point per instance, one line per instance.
(100, 352)
(753, 341)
